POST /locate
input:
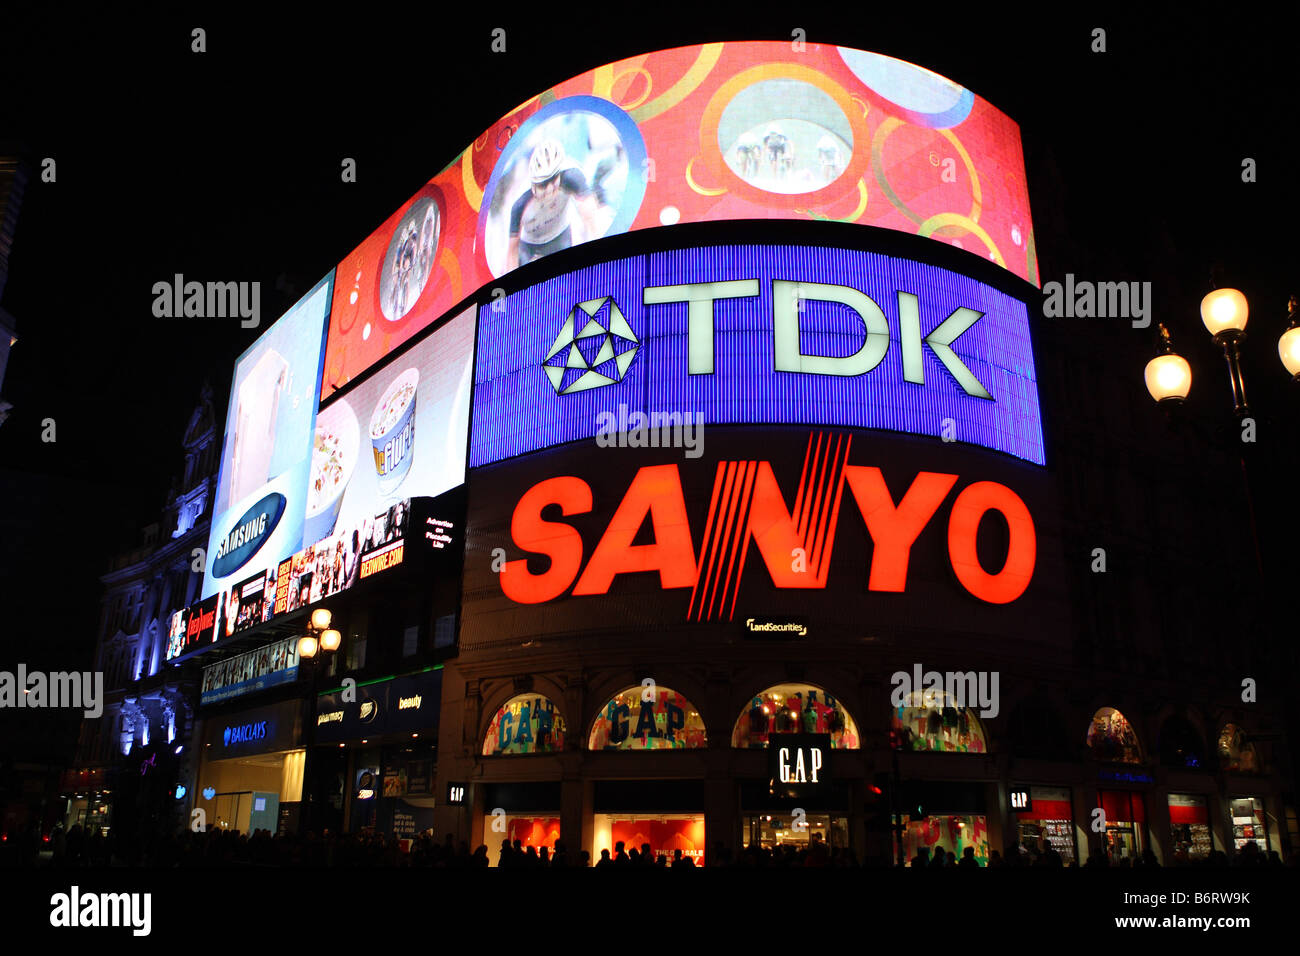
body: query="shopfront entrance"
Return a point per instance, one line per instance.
(251, 772)
(1125, 837)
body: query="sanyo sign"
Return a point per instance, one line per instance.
(786, 335)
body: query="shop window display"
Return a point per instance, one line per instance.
(1248, 823)
(1236, 753)
(770, 830)
(1112, 738)
(929, 721)
(536, 830)
(953, 832)
(666, 833)
(794, 709)
(1125, 836)
(525, 724)
(648, 718)
(1189, 820)
(1048, 824)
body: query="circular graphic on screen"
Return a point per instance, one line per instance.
(409, 260)
(922, 97)
(575, 171)
(785, 136)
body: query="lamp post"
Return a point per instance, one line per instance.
(1224, 313)
(320, 637)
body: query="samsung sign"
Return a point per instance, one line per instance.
(757, 335)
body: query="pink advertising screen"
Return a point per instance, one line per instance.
(735, 131)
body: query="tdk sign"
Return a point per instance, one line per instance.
(786, 335)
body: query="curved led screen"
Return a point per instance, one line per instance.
(781, 334)
(745, 130)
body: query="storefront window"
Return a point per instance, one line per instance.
(1248, 824)
(928, 721)
(1189, 819)
(1112, 738)
(648, 718)
(1236, 753)
(1125, 825)
(537, 830)
(951, 832)
(791, 709)
(525, 724)
(770, 830)
(666, 833)
(1047, 826)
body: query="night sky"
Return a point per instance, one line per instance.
(226, 166)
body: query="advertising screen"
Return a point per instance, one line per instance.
(245, 673)
(400, 434)
(262, 488)
(854, 533)
(755, 335)
(720, 131)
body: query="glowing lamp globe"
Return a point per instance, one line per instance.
(329, 641)
(1288, 347)
(307, 647)
(1168, 378)
(320, 618)
(1224, 310)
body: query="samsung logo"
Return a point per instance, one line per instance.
(248, 535)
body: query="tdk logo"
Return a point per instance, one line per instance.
(601, 349)
(598, 353)
(244, 733)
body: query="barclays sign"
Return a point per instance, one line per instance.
(244, 733)
(787, 335)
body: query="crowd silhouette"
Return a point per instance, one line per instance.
(218, 847)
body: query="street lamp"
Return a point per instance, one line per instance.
(1224, 313)
(1168, 376)
(319, 637)
(1288, 346)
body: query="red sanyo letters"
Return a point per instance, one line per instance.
(748, 501)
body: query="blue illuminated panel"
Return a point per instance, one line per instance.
(517, 408)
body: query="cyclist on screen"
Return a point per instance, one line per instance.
(540, 220)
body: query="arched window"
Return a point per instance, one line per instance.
(929, 720)
(1111, 737)
(794, 708)
(525, 724)
(1236, 752)
(1180, 744)
(648, 718)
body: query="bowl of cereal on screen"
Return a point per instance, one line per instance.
(333, 459)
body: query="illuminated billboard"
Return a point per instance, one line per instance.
(400, 434)
(787, 335)
(720, 131)
(853, 536)
(266, 453)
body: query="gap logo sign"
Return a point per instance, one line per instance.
(782, 335)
